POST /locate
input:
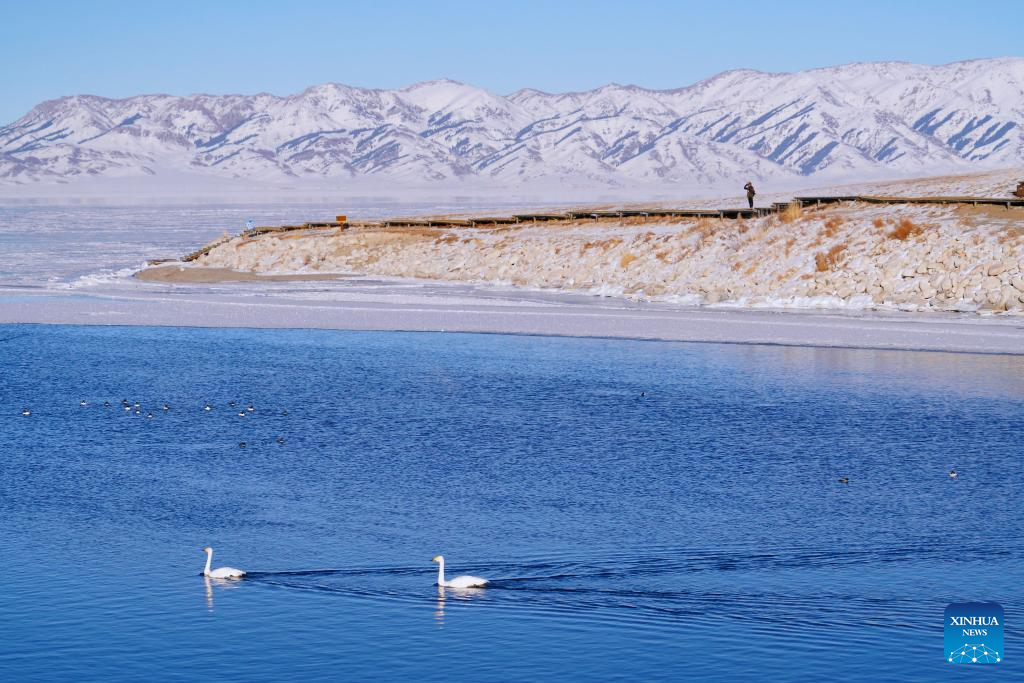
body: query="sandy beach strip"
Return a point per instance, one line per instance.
(175, 274)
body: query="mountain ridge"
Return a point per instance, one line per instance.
(853, 121)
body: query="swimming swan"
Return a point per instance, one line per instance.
(220, 572)
(458, 581)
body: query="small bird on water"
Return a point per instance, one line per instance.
(166, 407)
(26, 412)
(83, 403)
(280, 439)
(241, 444)
(207, 407)
(952, 474)
(242, 413)
(844, 480)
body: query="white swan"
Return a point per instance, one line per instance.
(458, 581)
(220, 572)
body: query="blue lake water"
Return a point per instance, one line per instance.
(646, 511)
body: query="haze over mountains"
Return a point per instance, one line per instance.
(855, 121)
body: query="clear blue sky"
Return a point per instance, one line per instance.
(115, 49)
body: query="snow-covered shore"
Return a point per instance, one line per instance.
(850, 256)
(656, 278)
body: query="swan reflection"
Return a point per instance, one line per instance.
(221, 584)
(439, 611)
(446, 593)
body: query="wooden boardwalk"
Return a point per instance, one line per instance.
(580, 215)
(1007, 202)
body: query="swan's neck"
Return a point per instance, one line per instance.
(440, 573)
(209, 559)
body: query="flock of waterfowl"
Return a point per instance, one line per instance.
(464, 581)
(137, 409)
(232, 573)
(250, 409)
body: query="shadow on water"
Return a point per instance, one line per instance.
(670, 562)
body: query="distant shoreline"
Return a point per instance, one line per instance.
(853, 275)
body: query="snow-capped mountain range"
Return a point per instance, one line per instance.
(853, 121)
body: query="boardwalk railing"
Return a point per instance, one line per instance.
(519, 219)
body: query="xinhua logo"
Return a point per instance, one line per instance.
(974, 633)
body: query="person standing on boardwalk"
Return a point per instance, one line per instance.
(749, 187)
